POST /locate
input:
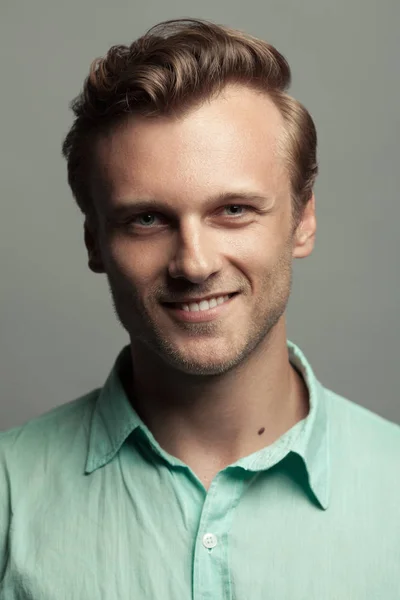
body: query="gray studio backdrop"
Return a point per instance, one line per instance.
(58, 334)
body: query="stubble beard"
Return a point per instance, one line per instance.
(147, 335)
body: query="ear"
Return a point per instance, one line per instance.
(304, 237)
(95, 261)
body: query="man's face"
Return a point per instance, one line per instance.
(194, 207)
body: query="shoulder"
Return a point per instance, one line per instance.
(363, 441)
(32, 453)
(360, 422)
(48, 433)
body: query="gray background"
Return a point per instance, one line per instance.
(58, 333)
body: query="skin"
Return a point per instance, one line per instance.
(210, 392)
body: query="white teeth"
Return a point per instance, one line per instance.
(204, 304)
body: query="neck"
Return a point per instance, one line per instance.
(217, 420)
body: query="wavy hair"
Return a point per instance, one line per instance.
(173, 67)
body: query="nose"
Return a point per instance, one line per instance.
(195, 257)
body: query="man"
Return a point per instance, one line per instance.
(213, 463)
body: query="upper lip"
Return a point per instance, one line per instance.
(198, 299)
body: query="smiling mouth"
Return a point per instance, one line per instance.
(203, 311)
(202, 305)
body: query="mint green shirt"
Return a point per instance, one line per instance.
(92, 508)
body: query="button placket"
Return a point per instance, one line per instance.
(211, 573)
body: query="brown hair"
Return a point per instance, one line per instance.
(171, 68)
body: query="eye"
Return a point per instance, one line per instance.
(154, 220)
(145, 220)
(238, 209)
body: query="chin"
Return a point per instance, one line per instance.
(202, 363)
(202, 368)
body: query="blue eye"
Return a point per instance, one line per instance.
(236, 206)
(145, 216)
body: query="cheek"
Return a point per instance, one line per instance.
(256, 254)
(133, 263)
(268, 267)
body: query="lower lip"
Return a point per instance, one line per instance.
(200, 316)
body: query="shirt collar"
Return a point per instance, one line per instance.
(114, 419)
(312, 445)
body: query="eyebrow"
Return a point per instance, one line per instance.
(151, 204)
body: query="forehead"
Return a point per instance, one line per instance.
(231, 140)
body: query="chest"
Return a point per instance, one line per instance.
(167, 541)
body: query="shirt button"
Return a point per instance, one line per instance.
(209, 540)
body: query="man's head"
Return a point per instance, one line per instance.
(193, 122)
